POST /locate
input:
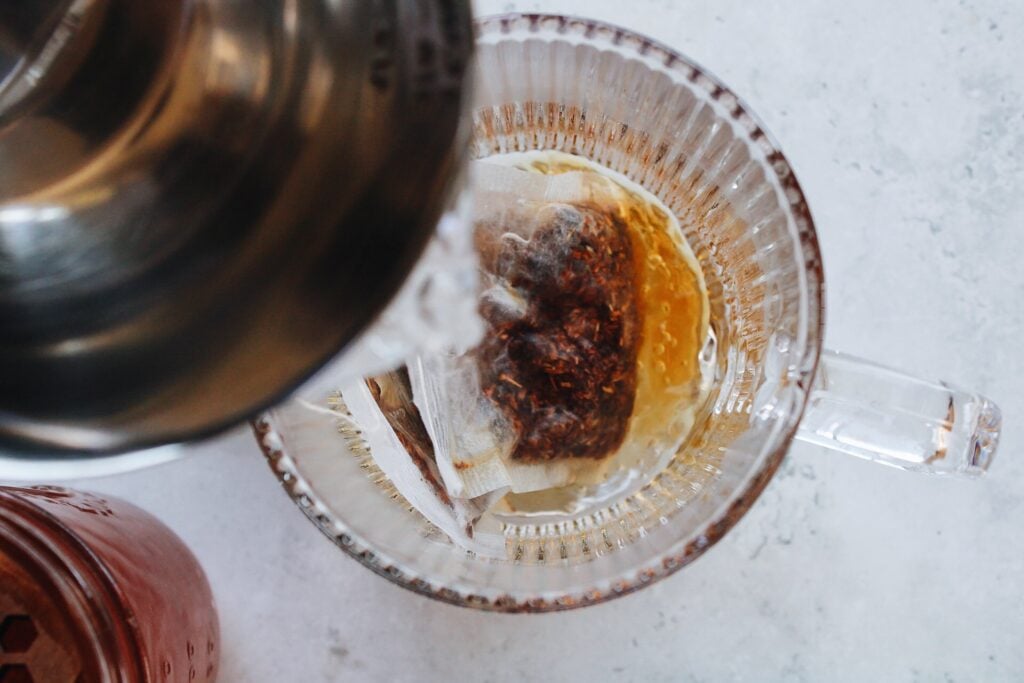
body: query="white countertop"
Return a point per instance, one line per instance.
(905, 123)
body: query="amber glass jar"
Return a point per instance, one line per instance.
(93, 589)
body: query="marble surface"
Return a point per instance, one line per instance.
(905, 123)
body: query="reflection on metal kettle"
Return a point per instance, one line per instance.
(191, 189)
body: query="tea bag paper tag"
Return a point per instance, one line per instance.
(458, 521)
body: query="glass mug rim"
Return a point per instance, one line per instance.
(804, 366)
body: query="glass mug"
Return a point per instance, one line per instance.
(637, 107)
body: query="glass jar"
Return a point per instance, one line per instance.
(94, 589)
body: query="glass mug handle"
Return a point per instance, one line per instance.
(879, 414)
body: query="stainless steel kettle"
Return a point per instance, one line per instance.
(201, 201)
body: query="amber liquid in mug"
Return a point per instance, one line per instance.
(673, 314)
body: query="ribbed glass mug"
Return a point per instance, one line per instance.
(638, 108)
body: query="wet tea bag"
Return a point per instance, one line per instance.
(472, 438)
(390, 423)
(550, 389)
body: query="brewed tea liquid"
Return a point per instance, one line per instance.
(672, 382)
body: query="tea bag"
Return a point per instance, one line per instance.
(472, 439)
(390, 423)
(550, 389)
